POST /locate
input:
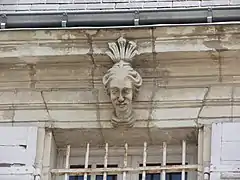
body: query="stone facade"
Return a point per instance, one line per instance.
(52, 79)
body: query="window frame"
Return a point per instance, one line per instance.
(134, 158)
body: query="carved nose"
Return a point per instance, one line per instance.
(120, 98)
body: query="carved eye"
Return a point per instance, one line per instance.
(114, 90)
(126, 90)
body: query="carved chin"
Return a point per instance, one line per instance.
(122, 107)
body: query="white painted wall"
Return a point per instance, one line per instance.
(225, 156)
(17, 153)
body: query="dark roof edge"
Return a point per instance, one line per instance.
(120, 18)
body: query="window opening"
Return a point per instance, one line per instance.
(78, 177)
(151, 176)
(157, 176)
(109, 176)
(175, 175)
(106, 170)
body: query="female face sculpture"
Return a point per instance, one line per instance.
(121, 94)
(122, 81)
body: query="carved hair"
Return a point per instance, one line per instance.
(122, 52)
(123, 69)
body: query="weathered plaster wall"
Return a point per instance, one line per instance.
(52, 78)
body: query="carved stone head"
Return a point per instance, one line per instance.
(122, 82)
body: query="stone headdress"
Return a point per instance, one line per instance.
(122, 54)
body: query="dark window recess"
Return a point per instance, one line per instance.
(81, 177)
(157, 176)
(109, 176)
(175, 175)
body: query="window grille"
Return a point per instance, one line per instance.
(143, 169)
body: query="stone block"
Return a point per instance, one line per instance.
(79, 124)
(230, 70)
(56, 84)
(87, 1)
(142, 114)
(102, 95)
(30, 115)
(129, 5)
(41, 124)
(157, 4)
(106, 114)
(184, 32)
(146, 92)
(28, 97)
(188, 68)
(73, 76)
(68, 72)
(14, 74)
(6, 116)
(14, 85)
(41, 7)
(68, 136)
(235, 2)
(16, 7)
(185, 45)
(29, 52)
(219, 92)
(63, 96)
(9, 2)
(7, 97)
(175, 113)
(216, 111)
(106, 35)
(210, 121)
(236, 111)
(236, 93)
(172, 136)
(186, 3)
(180, 94)
(101, 6)
(115, 1)
(215, 2)
(31, 1)
(59, 1)
(172, 123)
(21, 97)
(73, 115)
(72, 6)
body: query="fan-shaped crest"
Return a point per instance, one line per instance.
(122, 50)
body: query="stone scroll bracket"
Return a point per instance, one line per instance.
(122, 81)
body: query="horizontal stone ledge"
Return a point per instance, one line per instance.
(95, 115)
(40, 54)
(103, 124)
(138, 106)
(69, 34)
(194, 123)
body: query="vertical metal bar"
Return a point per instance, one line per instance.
(125, 161)
(144, 160)
(67, 160)
(86, 161)
(183, 158)
(164, 161)
(200, 154)
(105, 161)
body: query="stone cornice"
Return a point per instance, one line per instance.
(44, 46)
(183, 56)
